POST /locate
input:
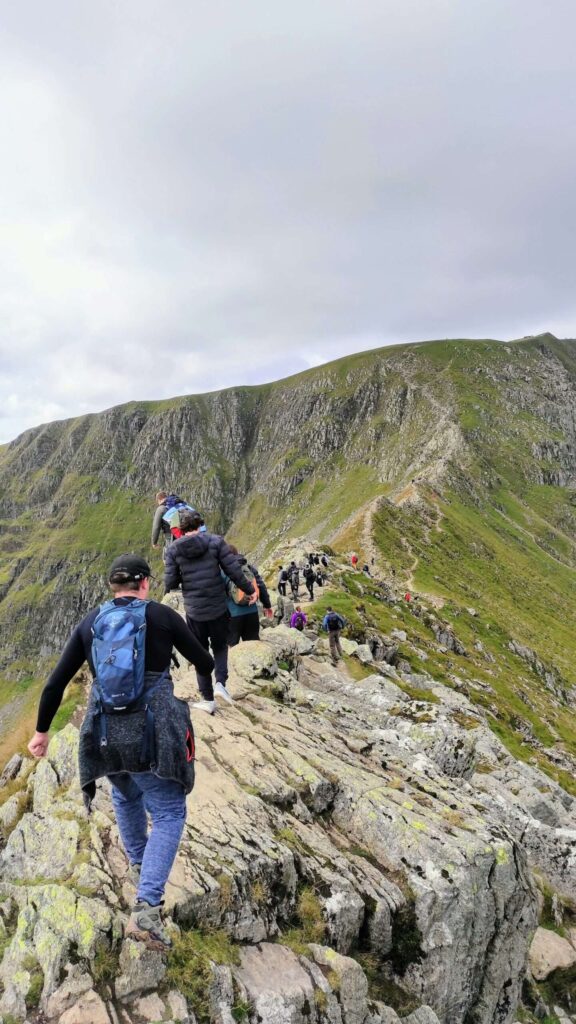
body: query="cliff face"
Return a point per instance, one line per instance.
(303, 455)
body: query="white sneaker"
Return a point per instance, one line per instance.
(209, 706)
(221, 691)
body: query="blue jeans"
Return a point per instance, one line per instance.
(134, 794)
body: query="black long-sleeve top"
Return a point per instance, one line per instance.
(165, 629)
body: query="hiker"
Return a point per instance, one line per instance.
(309, 579)
(284, 610)
(298, 619)
(334, 623)
(316, 560)
(197, 561)
(407, 597)
(244, 621)
(354, 561)
(282, 580)
(146, 752)
(294, 577)
(366, 570)
(166, 521)
(324, 561)
(319, 578)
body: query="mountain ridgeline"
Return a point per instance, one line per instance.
(453, 463)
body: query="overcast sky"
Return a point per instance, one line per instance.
(200, 193)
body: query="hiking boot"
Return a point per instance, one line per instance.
(209, 706)
(221, 691)
(134, 874)
(145, 925)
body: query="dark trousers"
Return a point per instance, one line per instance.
(212, 634)
(282, 588)
(310, 588)
(243, 627)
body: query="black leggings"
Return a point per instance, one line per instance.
(212, 633)
(243, 627)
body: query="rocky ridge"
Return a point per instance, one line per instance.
(358, 852)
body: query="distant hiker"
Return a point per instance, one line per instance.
(166, 518)
(310, 559)
(282, 580)
(316, 560)
(244, 617)
(284, 610)
(408, 596)
(324, 561)
(366, 570)
(354, 561)
(146, 746)
(334, 623)
(309, 580)
(319, 579)
(299, 619)
(197, 561)
(294, 577)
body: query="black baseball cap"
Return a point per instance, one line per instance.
(128, 567)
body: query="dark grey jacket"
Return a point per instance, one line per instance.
(195, 561)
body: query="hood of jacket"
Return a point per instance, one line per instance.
(194, 545)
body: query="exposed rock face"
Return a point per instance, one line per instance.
(316, 787)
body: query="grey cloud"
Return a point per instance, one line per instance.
(201, 194)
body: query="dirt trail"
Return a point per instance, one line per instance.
(410, 494)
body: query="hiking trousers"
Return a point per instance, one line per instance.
(244, 627)
(212, 634)
(282, 588)
(310, 589)
(335, 645)
(134, 796)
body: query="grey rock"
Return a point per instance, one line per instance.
(90, 1009)
(67, 994)
(352, 985)
(11, 769)
(40, 848)
(45, 786)
(10, 812)
(275, 982)
(364, 654)
(423, 1015)
(141, 970)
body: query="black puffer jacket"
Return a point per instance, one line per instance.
(195, 561)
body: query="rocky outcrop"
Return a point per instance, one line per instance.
(335, 823)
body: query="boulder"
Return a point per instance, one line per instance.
(549, 952)
(68, 993)
(348, 646)
(364, 654)
(150, 1008)
(63, 754)
(41, 848)
(45, 786)
(275, 982)
(90, 1009)
(349, 982)
(141, 970)
(11, 769)
(10, 811)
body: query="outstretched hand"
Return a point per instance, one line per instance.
(39, 744)
(268, 613)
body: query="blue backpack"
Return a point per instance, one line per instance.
(119, 637)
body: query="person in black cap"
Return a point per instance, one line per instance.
(147, 778)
